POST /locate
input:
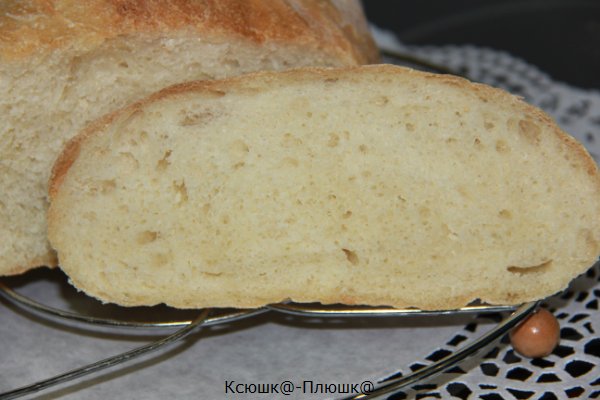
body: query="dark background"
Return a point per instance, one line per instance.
(560, 37)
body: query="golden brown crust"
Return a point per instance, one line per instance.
(38, 26)
(49, 261)
(71, 150)
(63, 163)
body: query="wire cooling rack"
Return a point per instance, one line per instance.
(208, 317)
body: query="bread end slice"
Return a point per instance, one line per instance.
(373, 185)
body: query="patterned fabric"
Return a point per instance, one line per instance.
(571, 371)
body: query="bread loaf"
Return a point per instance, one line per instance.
(66, 63)
(366, 185)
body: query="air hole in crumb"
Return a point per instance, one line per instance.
(488, 125)
(351, 256)
(289, 161)
(381, 100)
(123, 64)
(147, 237)
(528, 270)
(410, 127)
(347, 214)
(191, 118)
(239, 148)
(160, 259)
(530, 131)
(463, 192)
(225, 219)
(181, 194)
(290, 140)
(211, 274)
(502, 146)
(107, 186)
(129, 160)
(164, 162)
(505, 214)
(362, 148)
(333, 140)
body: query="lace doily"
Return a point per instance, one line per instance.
(572, 370)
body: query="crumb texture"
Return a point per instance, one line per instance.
(371, 185)
(66, 63)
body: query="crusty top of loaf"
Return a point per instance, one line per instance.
(29, 27)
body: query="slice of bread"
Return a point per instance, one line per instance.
(367, 185)
(66, 63)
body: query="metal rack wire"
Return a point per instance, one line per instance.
(208, 317)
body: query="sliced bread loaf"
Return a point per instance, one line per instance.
(367, 185)
(65, 63)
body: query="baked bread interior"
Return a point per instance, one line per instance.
(65, 63)
(371, 185)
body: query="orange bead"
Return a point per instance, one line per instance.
(537, 336)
